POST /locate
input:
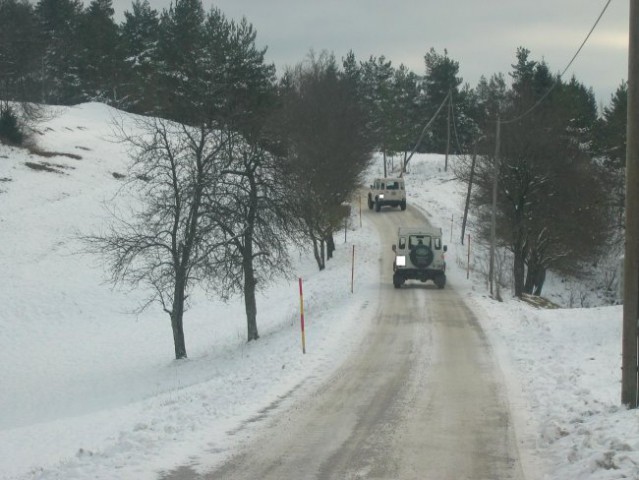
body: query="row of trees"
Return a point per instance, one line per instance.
(558, 171)
(233, 162)
(229, 164)
(235, 174)
(59, 52)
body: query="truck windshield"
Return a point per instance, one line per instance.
(418, 240)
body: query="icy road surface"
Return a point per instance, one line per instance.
(420, 398)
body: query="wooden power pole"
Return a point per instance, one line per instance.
(629, 370)
(493, 222)
(450, 107)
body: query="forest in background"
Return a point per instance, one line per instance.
(243, 131)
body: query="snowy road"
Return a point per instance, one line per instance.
(420, 398)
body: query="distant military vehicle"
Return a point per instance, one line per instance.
(387, 191)
(419, 255)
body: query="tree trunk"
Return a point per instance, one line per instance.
(535, 276)
(330, 246)
(323, 251)
(177, 314)
(531, 273)
(249, 300)
(319, 257)
(539, 281)
(520, 248)
(519, 271)
(384, 156)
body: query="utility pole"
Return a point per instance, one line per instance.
(384, 158)
(493, 223)
(629, 369)
(470, 186)
(450, 107)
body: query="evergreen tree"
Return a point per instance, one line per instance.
(611, 130)
(440, 80)
(237, 95)
(20, 52)
(406, 113)
(491, 97)
(610, 146)
(101, 57)
(465, 127)
(59, 26)
(240, 86)
(551, 207)
(351, 73)
(378, 96)
(181, 49)
(139, 33)
(326, 148)
(578, 109)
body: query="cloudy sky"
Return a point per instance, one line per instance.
(482, 35)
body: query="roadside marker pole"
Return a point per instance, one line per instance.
(360, 211)
(451, 228)
(302, 317)
(353, 269)
(345, 227)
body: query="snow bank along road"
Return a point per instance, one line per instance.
(420, 398)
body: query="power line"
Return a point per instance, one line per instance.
(421, 136)
(545, 95)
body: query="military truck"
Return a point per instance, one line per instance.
(387, 192)
(419, 255)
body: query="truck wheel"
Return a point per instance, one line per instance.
(440, 280)
(397, 281)
(370, 203)
(403, 205)
(378, 205)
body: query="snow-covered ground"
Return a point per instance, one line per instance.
(90, 389)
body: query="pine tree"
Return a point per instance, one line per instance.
(59, 24)
(610, 145)
(327, 147)
(181, 50)
(378, 95)
(579, 110)
(101, 66)
(611, 131)
(440, 80)
(20, 52)
(139, 33)
(240, 85)
(551, 201)
(407, 122)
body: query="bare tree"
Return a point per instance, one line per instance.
(326, 148)
(167, 242)
(248, 210)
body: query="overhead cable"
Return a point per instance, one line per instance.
(562, 73)
(421, 136)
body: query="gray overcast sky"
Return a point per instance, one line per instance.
(482, 35)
